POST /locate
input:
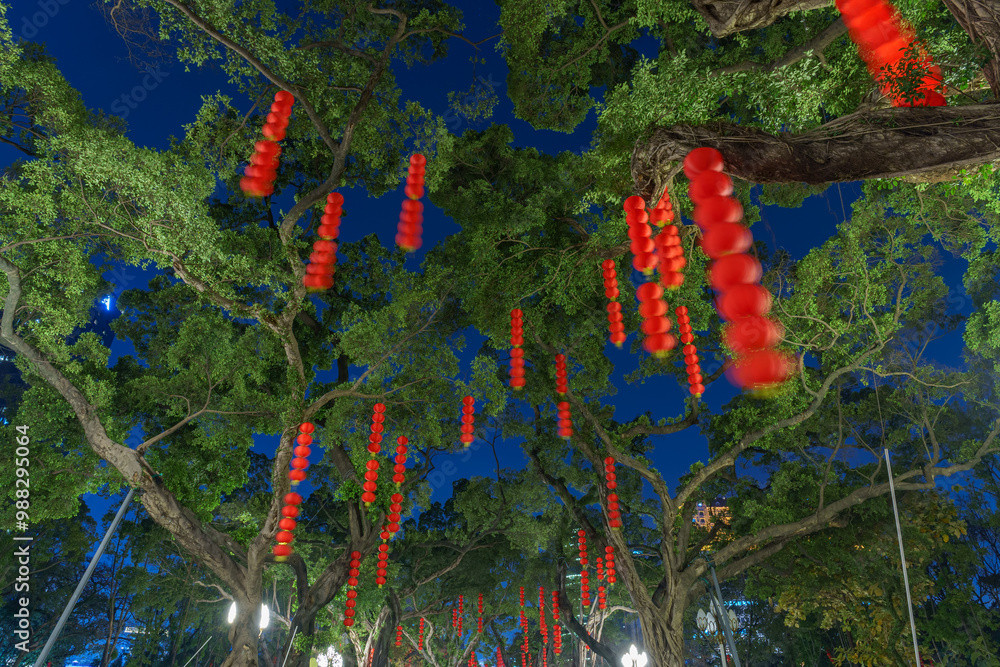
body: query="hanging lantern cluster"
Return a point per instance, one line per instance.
(670, 255)
(611, 481)
(472, 659)
(399, 635)
(395, 507)
(399, 469)
(643, 249)
(282, 550)
(468, 420)
(323, 260)
(584, 575)
(420, 635)
(461, 613)
(499, 656)
(516, 351)
(609, 565)
(615, 326)
(655, 324)
(882, 36)
(383, 557)
(524, 631)
(602, 593)
(562, 383)
(565, 420)
(374, 447)
(454, 618)
(479, 621)
(352, 585)
(411, 218)
(735, 276)
(263, 168)
(543, 627)
(691, 360)
(556, 630)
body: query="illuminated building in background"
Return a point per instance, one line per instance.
(706, 515)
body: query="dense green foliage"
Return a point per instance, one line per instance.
(227, 346)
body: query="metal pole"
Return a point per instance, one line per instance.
(902, 557)
(197, 652)
(724, 619)
(294, 630)
(83, 582)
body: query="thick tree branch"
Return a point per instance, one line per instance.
(724, 17)
(920, 144)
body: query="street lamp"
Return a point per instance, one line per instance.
(265, 615)
(708, 624)
(633, 658)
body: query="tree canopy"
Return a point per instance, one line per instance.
(227, 345)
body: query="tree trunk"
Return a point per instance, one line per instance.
(725, 17)
(244, 632)
(981, 20)
(923, 144)
(663, 635)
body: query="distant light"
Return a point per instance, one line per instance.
(107, 302)
(265, 616)
(232, 612)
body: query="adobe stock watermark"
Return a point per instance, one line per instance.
(122, 106)
(47, 10)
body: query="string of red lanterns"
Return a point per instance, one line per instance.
(602, 594)
(323, 260)
(669, 253)
(584, 575)
(461, 613)
(383, 557)
(565, 422)
(611, 481)
(615, 326)
(499, 657)
(556, 630)
(479, 622)
(282, 550)
(643, 249)
(542, 626)
(352, 585)
(468, 420)
(411, 218)
(735, 276)
(399, 635)
(263, 168)
(691, 360)
(524, 631)
(516, 351)
(881, 36)
(609, 565)
(374, 447)
(420, 635)
(399, 469)
(472, 659)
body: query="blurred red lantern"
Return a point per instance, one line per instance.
(709, 184)
(761, 370)
(744, 301)
(700, 160)
(725, 239)
(410, 220)
(717, 210)
(731, 270)
(751, 333)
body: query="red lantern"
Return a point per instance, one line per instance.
(653, 306)
(700, 160)
(562, 385)
(751, 333)
(615, 325)
(717, 210)
(731, 270)
(516, 353)
(565, 422)
(761, 371)
(744, 301)
(410, 219)
(709, 184)
(468, 419)
(644, 259)
(726, 238)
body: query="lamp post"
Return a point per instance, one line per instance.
(633, 658)
(708, 624)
